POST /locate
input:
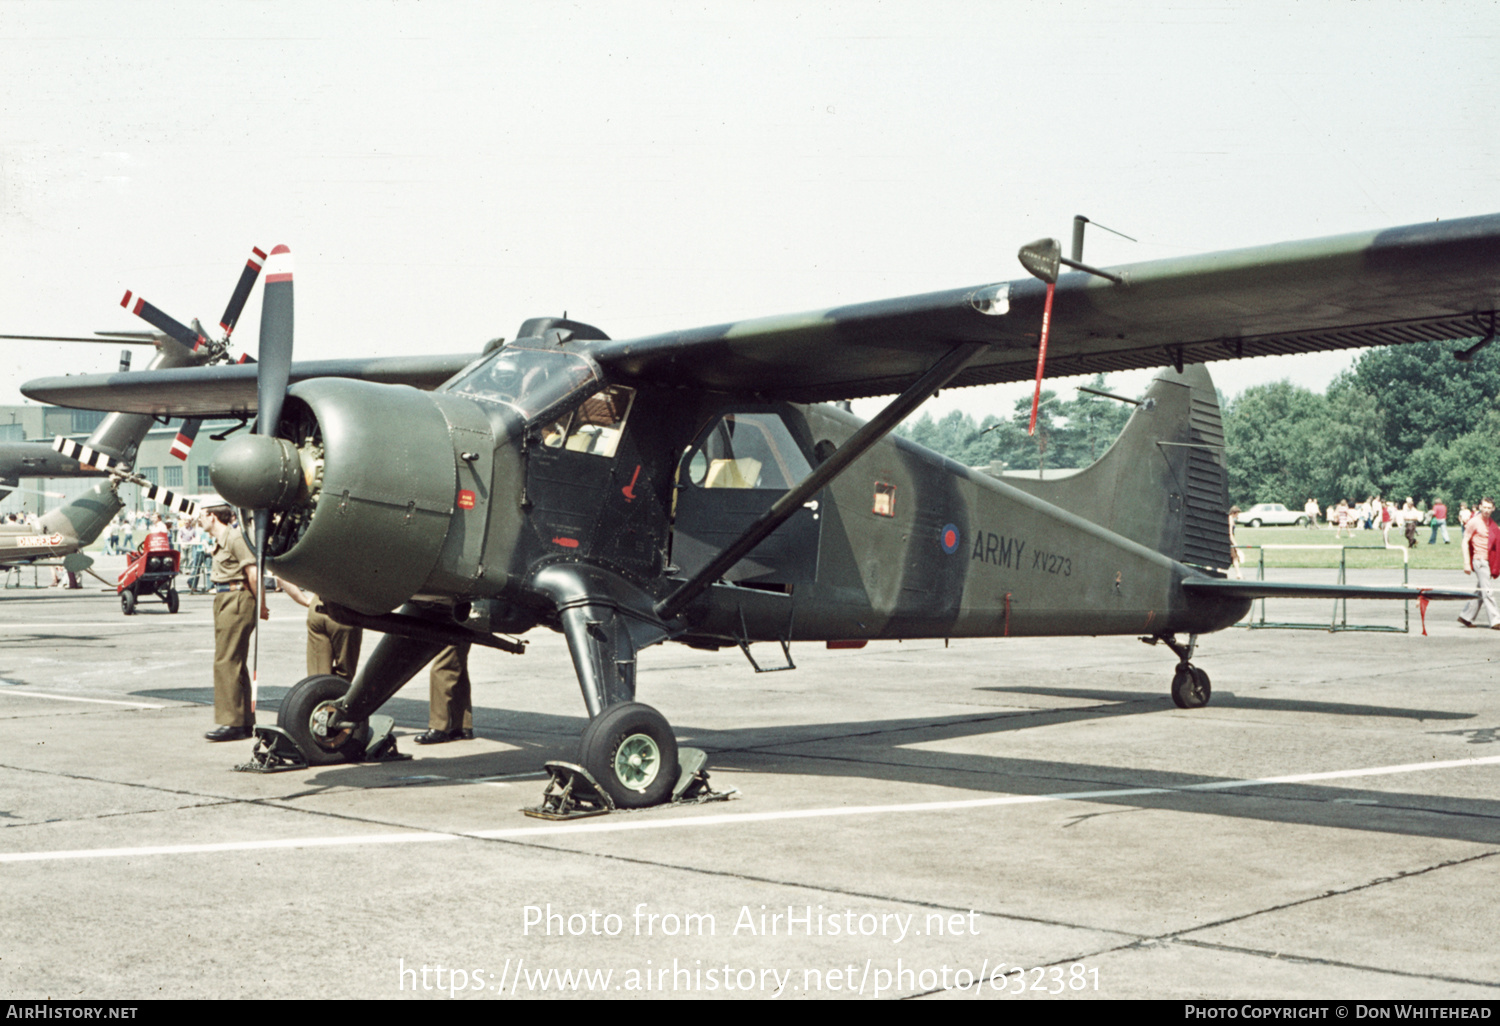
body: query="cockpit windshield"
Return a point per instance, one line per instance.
(534, 381)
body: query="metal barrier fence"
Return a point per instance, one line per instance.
(1339, 621)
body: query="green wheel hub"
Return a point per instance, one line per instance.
(637, 762)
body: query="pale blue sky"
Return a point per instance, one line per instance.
(444, 170)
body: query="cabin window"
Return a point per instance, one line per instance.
(748, 450)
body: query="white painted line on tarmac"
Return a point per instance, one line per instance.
(70, 698)
(602, 827)
(606, 826)
(143, 621)
(198, 849)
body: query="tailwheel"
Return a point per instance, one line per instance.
(127, 601)
(1190, 687)
(631, 751)
(310, 713)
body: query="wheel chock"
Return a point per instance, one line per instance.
(275, 752)
(572, 793)
(382, 744)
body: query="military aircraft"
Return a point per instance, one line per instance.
(690, 486)
(109, 450)
(177, 345)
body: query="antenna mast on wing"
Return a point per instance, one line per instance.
(1041, 259)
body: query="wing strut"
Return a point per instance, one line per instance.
(938, 375)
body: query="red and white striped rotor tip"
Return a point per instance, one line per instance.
(279, 265)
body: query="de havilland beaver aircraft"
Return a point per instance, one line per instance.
(691, 487)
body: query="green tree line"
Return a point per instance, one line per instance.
(1403, 420)
(1071, 433)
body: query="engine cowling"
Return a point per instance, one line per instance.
(366, 523)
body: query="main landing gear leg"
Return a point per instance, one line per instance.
(330, 720)
(628, 747)
(1190, 686)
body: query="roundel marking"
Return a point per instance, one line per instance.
(949, 538)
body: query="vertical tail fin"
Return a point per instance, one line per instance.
(1164, 482)
(86, 517)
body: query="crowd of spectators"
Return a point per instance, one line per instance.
(1384, 515)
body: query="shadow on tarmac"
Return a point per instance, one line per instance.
(1229, 699)
(892, 750)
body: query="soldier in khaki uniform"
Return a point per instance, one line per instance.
(332, 648)
(234, 579)
(450, 713)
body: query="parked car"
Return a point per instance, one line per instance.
(1272, 513)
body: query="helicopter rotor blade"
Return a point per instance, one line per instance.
(242, 291)
(162, 321)
(186, 435)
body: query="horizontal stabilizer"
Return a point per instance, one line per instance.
(1221, 587)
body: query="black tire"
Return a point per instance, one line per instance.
(172, 600)
(299, 708)
(631, 751)
(1255, 523)
(127, 601)
(1301, 521)
(1190, 688)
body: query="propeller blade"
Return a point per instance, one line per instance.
(186, 435)
(272, 374)
(242, 291)
(275, 367)
(165, 322)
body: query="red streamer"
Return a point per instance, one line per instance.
(1041, 357)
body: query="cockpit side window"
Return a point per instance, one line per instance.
(596, 426)
(747, 450)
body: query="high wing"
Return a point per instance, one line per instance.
(1426, 282)
(1419, 283)
(227, 390)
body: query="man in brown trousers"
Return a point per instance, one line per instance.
(234, 581)
(332, 648)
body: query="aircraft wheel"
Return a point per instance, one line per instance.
(127, 602)
(631, 751)
(305, 713)
(172, 600)
(1190, 688)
